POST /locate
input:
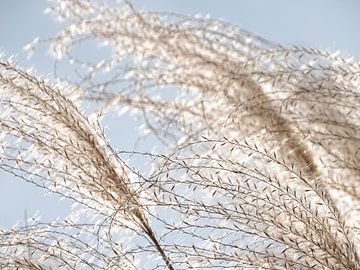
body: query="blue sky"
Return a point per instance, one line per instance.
(325, 24)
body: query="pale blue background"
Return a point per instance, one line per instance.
(327, 24)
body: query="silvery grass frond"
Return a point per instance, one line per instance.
(301, 101)
(47, 141)
(239, 206)
(61, 246)
(261, 169)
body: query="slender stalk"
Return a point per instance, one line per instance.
(150, 233)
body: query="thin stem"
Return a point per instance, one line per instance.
(149, 232)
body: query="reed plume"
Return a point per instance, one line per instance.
(258, 164)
